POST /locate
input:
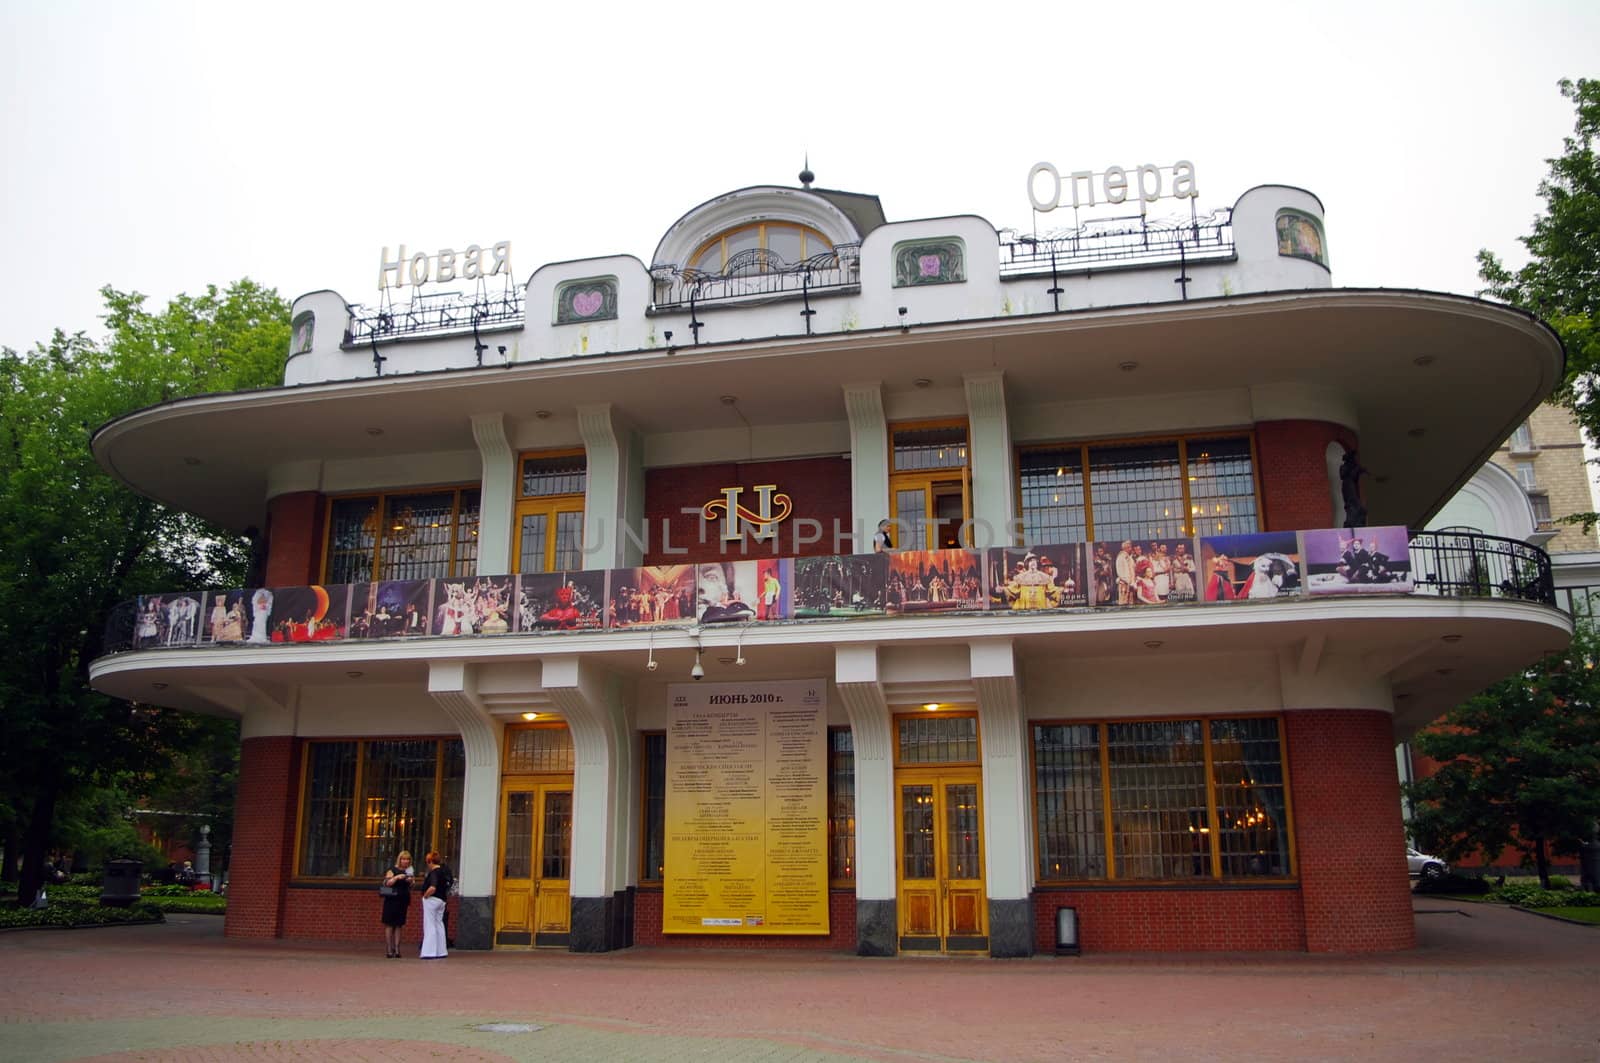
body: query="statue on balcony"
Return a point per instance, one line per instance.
(1350, 472)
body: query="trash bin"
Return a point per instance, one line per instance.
(120, 887)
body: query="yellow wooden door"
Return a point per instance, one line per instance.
(942, 903)
(532, 905)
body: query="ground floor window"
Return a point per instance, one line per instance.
(1161, 800)
(364, 801)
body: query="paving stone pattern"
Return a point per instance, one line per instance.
(1489, 983)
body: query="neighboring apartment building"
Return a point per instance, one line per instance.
(578, 582)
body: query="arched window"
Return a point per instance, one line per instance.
(787, 240)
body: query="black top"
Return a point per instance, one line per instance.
(439, 879)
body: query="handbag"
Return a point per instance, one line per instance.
(387, 891)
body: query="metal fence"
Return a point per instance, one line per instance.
(1117, 241)
(435, 313)
(1461, 564)
(755, 274)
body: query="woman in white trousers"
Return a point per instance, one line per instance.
(435, 888)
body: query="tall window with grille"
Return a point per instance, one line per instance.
(550, 498)
(1168, 800)
(1138, 490)
(930, 486)
(362, 802)
(413, 535)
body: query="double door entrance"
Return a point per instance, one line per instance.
(533, 904)
(942, 903)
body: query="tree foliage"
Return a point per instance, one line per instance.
(1561, 281)
(77, 542)
(1519, 765)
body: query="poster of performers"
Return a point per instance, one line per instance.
(309, 614)
(653, 594)
(1252, 567)
(1358, 561)
(226, 620)
(396, 608)
(931, 581)
(839, 585)
(737, 591)
(472, 606)
(1039, 577)
(1144, 572)
(167, 620)
(561, 601)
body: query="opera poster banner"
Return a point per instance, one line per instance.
(737, 591)
(561, 601)
(653, 594)
(931, 581)
(396, 608)
(227, 616)
(167, 620)
(469, 605)
(1254, 566)
(309, 614)
(746, 848)
(1039, 577)
(1358, 560)
(839, 585)
(1144, 571)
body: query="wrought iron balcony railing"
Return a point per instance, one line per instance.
(1116, 242)
(836, 588)
(756, 274)
(435, 313)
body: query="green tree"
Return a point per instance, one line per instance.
(1519, 765)
(1561, 281)
(77, 542)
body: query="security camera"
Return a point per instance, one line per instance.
(739, 661)
(651, 665)
(697, 672)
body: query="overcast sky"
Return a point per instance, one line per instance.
(164, 146)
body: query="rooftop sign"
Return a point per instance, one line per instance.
(420, 268)
(1116, 184)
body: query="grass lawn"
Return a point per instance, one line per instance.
(1581, 915)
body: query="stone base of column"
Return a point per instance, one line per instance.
(1011, 929)
(601, 924)
(474, 923)
(877, 930)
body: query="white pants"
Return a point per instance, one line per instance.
(433, 928)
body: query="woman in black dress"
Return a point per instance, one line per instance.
(395, 905)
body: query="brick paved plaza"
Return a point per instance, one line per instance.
(1486, 984)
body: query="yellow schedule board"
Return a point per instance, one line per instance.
(747, 804)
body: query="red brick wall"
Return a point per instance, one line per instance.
(1349, 841)
(263, 836)
(841, 934)
(351, 914)
(294, 539)
(1174, 920)
(1292, 462)
(818, 487)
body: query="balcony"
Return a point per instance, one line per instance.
(815, 590)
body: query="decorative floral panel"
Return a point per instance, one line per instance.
(590, 299)
(938, 261)
(1300, 236)
(300, 333)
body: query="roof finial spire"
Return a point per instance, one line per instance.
(806, 176)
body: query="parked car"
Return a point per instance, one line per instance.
(1421, 865)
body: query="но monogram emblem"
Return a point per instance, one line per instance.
(771, 510)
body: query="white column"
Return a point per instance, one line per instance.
(856, 675)
(578, 690)
(869, 459)
(614, 499)
(499, 489)
(994, 495)
(454, 689)
(1005, 770)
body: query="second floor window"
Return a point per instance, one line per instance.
(420, 535)
(1137, 490)
(550, 512)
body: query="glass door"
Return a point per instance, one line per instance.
(532, 904)
(942, 901)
